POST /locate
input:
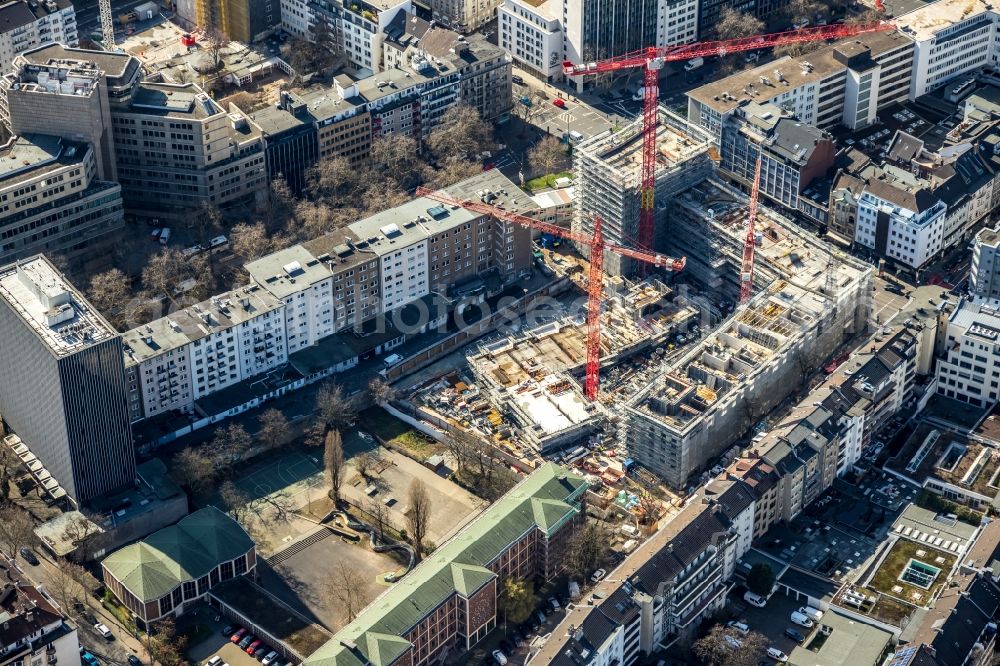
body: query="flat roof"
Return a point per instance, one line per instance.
(28, 156)
(224, 311)
(48, 304)
(288, 271)
(850, 642)
(924, 22)
(938, 528)
(59, 55)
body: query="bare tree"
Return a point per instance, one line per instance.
(335, 179)
(274, 428)
(379, 514)
(215, 41)
(231, 443)
(381, 391)
(548, 156)
(733, 24)
(802, 10)
(650, 508)
(170, 274)
(866, 17)
(796, 50)
(111, 292)
(589, 548)
(530, 106)
(723, 645)
(194, 469)
(80, 531)
(397, 157)
(250, 241)
(9, 463)
(335, 410)
(64, 584)
(345, 588)
(461, 135)
(451, 172)
(367, 462)
(235, 502)
(333, 463)
(163, 644)
(17, 530)
(280, 206)
(418, 515)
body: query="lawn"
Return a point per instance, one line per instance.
(398, 434)
(886, 578)
(549, 180)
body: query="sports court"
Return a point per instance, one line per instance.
(291, 473)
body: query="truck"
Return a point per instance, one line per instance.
(694, 63)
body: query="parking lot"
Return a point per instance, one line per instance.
(217, 644)
(772, 620)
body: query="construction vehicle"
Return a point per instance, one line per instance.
(595, 282)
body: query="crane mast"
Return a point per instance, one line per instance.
(107, 25)
(750, 243)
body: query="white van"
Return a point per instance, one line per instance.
(392, 359)
(802, 620)
(754, 599)
(576, 136)
(813, 614)
(165, 236)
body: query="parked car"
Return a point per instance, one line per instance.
(105, 631)
(598, 575)
(794, 634)
(519, 80)
(813, 614)
(802, 620)
(754, 599)
(741, 627)
(776, 654)
(500, 657)
(90, 659)
(247, 640)
(554, 603)
(165, 236)
(29, 556)
(269, 658)
(733, 642)
(540, 617)
(255, 645)
(155, 233)
(238, 636)
(134, 660)
(560, 102)
(217, 241)
(228, 630)
(216, 660)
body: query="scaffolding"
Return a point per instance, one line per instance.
(609, 167)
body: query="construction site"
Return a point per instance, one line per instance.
(608, 171)
(809, 300)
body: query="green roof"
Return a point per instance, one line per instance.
(183, 552)
(544, 500)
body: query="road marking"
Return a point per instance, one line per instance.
(566, 116)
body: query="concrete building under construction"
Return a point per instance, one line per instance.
(528, 376)
(608, 171)
(811, 299)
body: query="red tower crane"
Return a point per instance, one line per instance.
(750, 244)
(595, 285)
(651, 60)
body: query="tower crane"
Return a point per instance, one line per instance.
(107, 25)
(652, 59)
(595, 284)
(750, 243)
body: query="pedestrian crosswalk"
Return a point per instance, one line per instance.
(567, 117)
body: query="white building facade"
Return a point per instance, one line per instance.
(27, 25)
(909, 237)
(532, 35)
(969, 369)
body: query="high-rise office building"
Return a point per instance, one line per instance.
(62, 381)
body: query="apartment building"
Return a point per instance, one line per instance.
(763, 479)
(70, 93)
(450, 602)
(532, 34)
(968, 367)
(35, 630)
(358, 28)
(52, 201)
(835, 85)
(173, 361)
(177, 149)
(677, 22)
(62, 382)
(984, 276)
(28, 24)
(900, 218)
(793, 155)
(296, 17)
(483, 68)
